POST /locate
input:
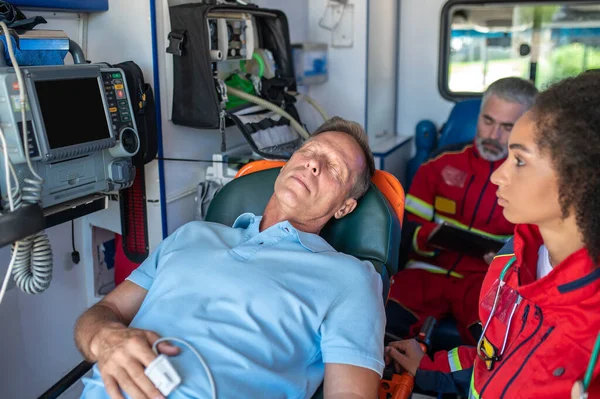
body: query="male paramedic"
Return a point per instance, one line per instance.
(270, 306)
(455, 187)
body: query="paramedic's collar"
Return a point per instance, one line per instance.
(251, 223)
(575, 278)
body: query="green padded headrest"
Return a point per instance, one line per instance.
(371, 232)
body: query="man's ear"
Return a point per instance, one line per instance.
(348, 206)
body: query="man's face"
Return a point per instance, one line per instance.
(496, 120)
(316, 181)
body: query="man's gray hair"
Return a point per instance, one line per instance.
(513, 90)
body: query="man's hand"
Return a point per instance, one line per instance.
(406, 355)
(489, 257)
(123, 354)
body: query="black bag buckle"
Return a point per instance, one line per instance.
(176, 40)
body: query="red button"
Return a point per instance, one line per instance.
(120, 94)
(15, 86)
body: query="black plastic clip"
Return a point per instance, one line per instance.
(176, 40)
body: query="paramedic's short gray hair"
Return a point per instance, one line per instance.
(337, 124)
(513, 90)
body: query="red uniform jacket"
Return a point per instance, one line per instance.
(551, 336)
(594, 389)
(455, 187)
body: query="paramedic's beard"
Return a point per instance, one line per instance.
(491, 150)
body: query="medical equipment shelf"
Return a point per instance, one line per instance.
(74, 209)
(64, 5)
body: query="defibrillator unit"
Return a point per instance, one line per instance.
(81, 133)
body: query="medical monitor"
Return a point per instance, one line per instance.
(85, 105)
(70, 111)
(80, 129)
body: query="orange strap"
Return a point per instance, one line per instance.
(387, 183)
(257, 166)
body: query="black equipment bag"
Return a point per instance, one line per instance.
(196, 99)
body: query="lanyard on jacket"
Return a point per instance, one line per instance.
(580, 388)
(485, 349)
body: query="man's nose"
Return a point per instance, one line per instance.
(497, 132)
(314, 165)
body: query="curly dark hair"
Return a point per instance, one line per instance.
(567, 118)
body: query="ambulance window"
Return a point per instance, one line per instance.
(543, 42)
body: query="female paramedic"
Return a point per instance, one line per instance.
(540, 301)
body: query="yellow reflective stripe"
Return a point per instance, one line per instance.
(472, 392)
(441, 219)
(430, 268)
(418, 207)
(454, 360)
(416, 245)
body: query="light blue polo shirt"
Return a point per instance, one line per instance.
(265, 309)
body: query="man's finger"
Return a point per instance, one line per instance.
(168, 349)
(136, 372)
(128, 385)
(163, 347)
(151, 336)
(141, 350)
(112, 388)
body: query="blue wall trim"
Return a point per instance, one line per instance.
(367, 70)
(72, 5)
(161, 165)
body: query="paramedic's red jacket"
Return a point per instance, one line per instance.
(455, 187)
(594, 389)
(551, 336)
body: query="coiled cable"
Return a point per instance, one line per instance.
(32, 268)
(12, 192)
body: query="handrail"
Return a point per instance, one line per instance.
(74, 49)
(76, 52)
(67, 381)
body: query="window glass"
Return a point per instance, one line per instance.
(544, 43)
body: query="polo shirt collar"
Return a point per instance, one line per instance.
(310, 241)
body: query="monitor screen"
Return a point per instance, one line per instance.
(72, 111)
